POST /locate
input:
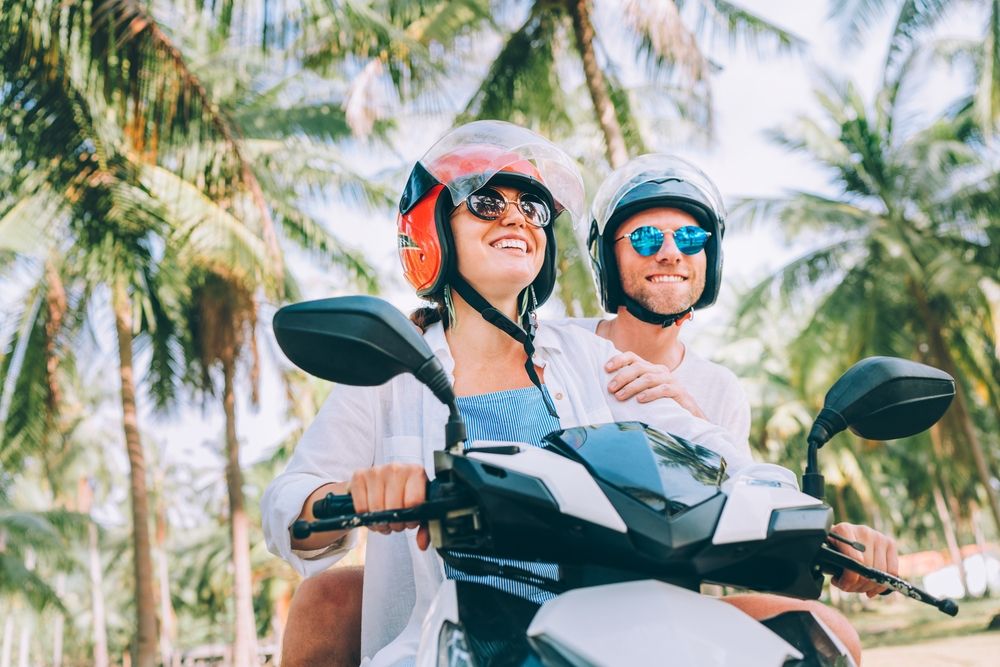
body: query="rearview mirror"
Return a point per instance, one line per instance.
(357, 340)
(883, 398)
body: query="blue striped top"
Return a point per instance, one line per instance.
(513, 415)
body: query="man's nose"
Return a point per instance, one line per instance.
(668, 252)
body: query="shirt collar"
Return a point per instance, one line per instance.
(439, 346)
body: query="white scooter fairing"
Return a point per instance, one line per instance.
(635, 624)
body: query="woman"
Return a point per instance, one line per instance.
(475, 237)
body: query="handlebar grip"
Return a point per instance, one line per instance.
(333, 505)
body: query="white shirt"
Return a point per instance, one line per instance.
(402, 421)
(715, 388)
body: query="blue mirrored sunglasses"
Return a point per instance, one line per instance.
(648, 240)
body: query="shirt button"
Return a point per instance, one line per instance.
(559, 396)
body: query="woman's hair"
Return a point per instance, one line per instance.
(428, 315)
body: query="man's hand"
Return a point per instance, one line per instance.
(646, 382)
(388, 487)
(879, 553)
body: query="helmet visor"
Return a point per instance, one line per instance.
(468, 157)
(655, 167)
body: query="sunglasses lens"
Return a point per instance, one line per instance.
(487, 204)
(646, 240)
(690, 240)
(535, 210)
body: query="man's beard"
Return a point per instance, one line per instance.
(665, 301)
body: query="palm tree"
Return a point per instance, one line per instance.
(170, 171)
(913, 22)
(909, 244)
(60, 87)
(523, 83)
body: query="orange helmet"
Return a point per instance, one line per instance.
(461, 162)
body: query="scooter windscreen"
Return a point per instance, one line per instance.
(666, 473)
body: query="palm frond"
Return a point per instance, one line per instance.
(312, 236)
(522, 85)
(664, 43)
(744, 28)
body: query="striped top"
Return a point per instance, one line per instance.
(514, 415)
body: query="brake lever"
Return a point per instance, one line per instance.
(833, 562)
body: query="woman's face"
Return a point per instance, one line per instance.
(501, 257)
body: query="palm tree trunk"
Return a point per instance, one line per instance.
(583, 28)
(950, 535)
(60, 620)
(100, 628)
(145, 603)
(245, 637)
(167, 616)
(946, 362)
(941, 504)
(24, 643)
(8, 640)
(55, 302)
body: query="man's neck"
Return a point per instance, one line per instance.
(652, 342)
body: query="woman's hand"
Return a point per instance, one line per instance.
(879, 553)
(647, 382)
(388, 487)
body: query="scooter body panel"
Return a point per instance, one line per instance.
(747, 514)
(654, 623)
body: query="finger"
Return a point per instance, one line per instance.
(848, 582)
(414, 491)
(892, 560)
(423, 537)
(641, 383)
(620, 361)
(376, 497)
(626, 375)
(880, 561)
(415, 488)
(394, 484)
(358, 488)
(664, 390)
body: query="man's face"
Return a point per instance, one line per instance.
(668, 281)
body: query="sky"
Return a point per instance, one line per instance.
(751, 95)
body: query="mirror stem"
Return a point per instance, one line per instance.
(454, 431)
(812, 480)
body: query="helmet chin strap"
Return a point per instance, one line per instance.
(509, 327)
(640, 312)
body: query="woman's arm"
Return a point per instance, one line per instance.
(340, 440)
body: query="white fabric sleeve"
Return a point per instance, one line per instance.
(340, 440)
(667, 415)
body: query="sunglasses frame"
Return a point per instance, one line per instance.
(507, 203)
(663, 238)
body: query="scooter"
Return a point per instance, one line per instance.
(636, 519)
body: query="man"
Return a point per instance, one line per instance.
(656, 250)
(655, 246)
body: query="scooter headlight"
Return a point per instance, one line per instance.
(453, 648)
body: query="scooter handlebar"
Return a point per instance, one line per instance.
(336, 512)
(834, 562)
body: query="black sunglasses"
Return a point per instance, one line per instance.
(490, 204)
